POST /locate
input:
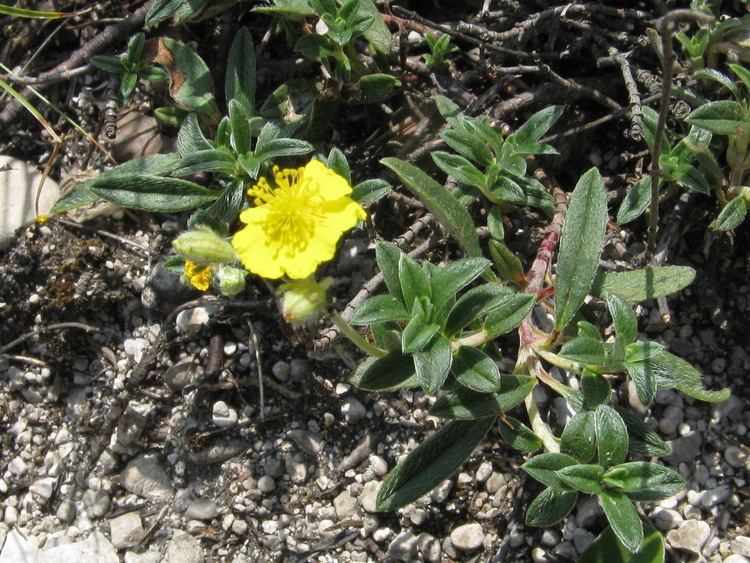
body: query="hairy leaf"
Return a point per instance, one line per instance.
(644, 283)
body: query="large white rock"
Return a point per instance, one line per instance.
(19, 181)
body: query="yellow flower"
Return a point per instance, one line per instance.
(296, 223)
(198, 276)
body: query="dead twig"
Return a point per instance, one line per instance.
(57, 326)
(256, 347)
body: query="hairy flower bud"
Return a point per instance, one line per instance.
(203, 246)
(231, 280)
(303, 300)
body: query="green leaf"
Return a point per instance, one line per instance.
(239, 84)
(643, 440)
(128, 84)
(716, 76)
(388, 257)
(626, 324)
(195, 92)
(316, 47)
(210, 160)
(474, 304)
(337, 162)
(644, 481)
(465, 404)
(644, 283)
(508, 314)
(371, 89)
(161, 10)
(467, 146)
(671, 371)
(689, 176)
(115, 65)
(433, 364)
(731, 216)
(275, 148)
(724, 117)
(596, 390)
(611, 436)
(476, 370)
(377, 33)
(77, 197)
(413, 281)
(544, 468)
(509, 267)
(298, 8)
(550, 507)
(584, 478)
(495, 223)
(378, 309)
(608, 549)
(454, 277)
(440, 202)
(580, 246)
(583, 350)
(390, 373)
(135, 48)
(436, 459)
(588, 330)
(644, 378)
(417, 334)
(518, 435)
(239, 137)
(578, 438)
(537, 125)
(636, 201)
(152, 193)
(370, 191)
(222, 213)
(623, 518)
(460, 168)
(190, 139)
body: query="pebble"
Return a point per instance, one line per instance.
(184, 548)
(382, 534)
(66, 512)
(126, 530)
(735, 456)
(344, 504)
(266, 484)
(202, 509)
(685, 448)
(671, 418)
(145, 477)
(734, 558)
(353, 410)
(298, 368)
(588, 512)
(43, 488)
(495, 481)
(468, 537)
(690, 536)
(307, 441)
(484, 472)
(369, 495)
(17, 466)
(135, 347)
(273, 467)
(191, 320)
(240, 527)
(131, 425)
(550, 538)
(11, 515)
(441, 492)
(223, 416)
(740, 546)
(296, 468)
(269, 526)
(403, 547)
(429, 548)
(378, 465)
(179, 375)
(665, 519)
(538, 555)
(99, 505)
(582, 539)
(715, 496)
(281, 371)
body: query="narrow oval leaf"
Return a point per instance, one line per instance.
(596, 389)
(454, 277)
(414, 282)
(585, 478)
(392, 372)
(152, 193)
(725, 117)
(275, 148)
(636, 201)
(578, 439)
(387, 255)
(370, 191)
(642, 440)
(731, 216)
(583, 350)
(537, 125)
(580, 246)
(379, 309)
(508, 265)
(239, 84)
(608, 549)
(442, 204)
(460, 168)
(544, 468)
(476, 370)
(475, 303)
(645, 481)
(644, 283)
(611, 436)
(626, 324)
(518, 435)
(433, 364)
(465, 404)
(550, 507)
(623, 518)
(436, 459)
(508, 314)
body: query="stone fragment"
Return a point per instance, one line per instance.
(179, 375)
(126, 530)
(369, 495)
(43, 488)
(740, 546)
(305, 440)
(468, 537)
(690, 536)
(184, 548)
(223, 415)
(403, 547)
(131, 425)
(202, 509)
(685, 448)
(353, 410)
(344, 504)
(145, 477)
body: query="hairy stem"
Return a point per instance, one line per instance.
(347, 330)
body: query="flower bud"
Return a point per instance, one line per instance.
(231, 280)
(303, 300)
(203, 246)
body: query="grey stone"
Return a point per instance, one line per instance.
(202, 509)
(582, 539)
(184, 548)
(429, 548)
(495, 481)
(403, 547)
(550, 538)
(273, 467)
(266, 484)
(145, 557)
(100, 504)
(135, 347)
(369, 495)
(441, 492)
(344, 504)
(190, 321)
(145, 477)
(690, 536)
(715, 496)
(735, 456)
(43, 488)
(307, 441)
(131, 425)
(96, 548)
(296, 468)
(18, 547)
(17, 466)
(18, 192)
(180, 375)
(484, 472)
(740, 546)
(126, 530)
(538, 555)
(665, 519)
(353, 410)
(734, 558)
(223, 415)
(685, 448)
(66, 512)
(281, 370)
(378, 465)
(468, 537)
(588, 512)
(298, 369)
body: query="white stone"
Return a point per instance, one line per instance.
(344, 504)
(184, 548)
(403, 547)
(369, 495)
(740, 546)
(266, 484)
(126, 530)
(135, 347)
(269, 526)
(145, 477)
(191, 320)
(484, 472)
(43, 488)
(468, 537)
(353, 410)
(19, 182)
(223, 415)
(690, 536)
(17, 466)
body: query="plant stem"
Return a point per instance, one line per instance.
(475, 340)
(346, 329)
